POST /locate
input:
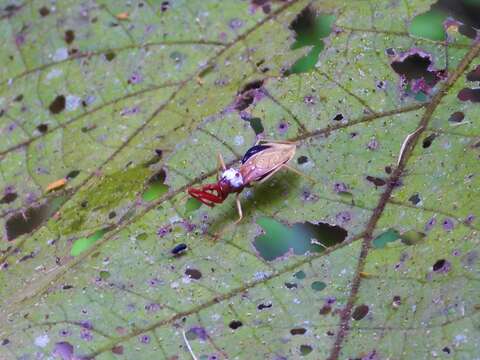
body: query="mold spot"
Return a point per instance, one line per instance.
(44, 11)
(179, 249)
(110, 55)
(193, 274)
(57, 105)
(428, 141)
(42, 128)
(298, 331)
(376, 181)
(467, 94)
(305, 350)
(265, 305)
(69, 36)
(8, 198)
(302, 160)
(235, 324)
(302, 238)
(338, 117)
(456, 117)
(360, 312)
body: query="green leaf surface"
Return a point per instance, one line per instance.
(129, 103)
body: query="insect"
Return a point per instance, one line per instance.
(259, 164)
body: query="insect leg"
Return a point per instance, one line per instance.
(221, 165)
(239, 208)
(276, 142)
(298, 172)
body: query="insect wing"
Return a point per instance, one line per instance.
(263, 162)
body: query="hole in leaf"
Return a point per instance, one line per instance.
(110, 55)
(428, 141)
(338, 117)
(256, 125)
(83, 244)
(179, 249)
(457, 117)
(310, 28)
(360, 312)
(25, 221)
(247, 94)
(429, 25)
(467, 94)
(155, 186)
(439, 264)
(264, 306)
(43, 128)
(318, 285)
(302, 160)
(164, 6)
(235, 324)
(192, 205)
(279, 239)
(57, 105)
(412, 237)
(325, 310)
(383, 239)
(300, 275)
(8, 198)
(415, 199)
(466, 11)
(72, 174)
(305, 350)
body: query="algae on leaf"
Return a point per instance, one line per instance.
(130, 101)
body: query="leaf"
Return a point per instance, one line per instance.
(133, 111)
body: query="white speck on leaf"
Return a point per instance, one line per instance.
(238, 140)
(60, 55)
(72, 102)
(53, 74)
(42, 340)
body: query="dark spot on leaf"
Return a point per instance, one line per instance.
(69, 36)
(110, 55)
(360, 312)
(18, 98)
(43, 11)
(235, 324)
(396, 301)
(72, 174)
(43, 128)
(325, 310)
(390, 52)
(165, 6)
(5, 342)
(457, 117)
(179, 249)
(117, 350)
(467, 94)
(112, 214)
(298, 331)
(84, 204)
(8, 198)
(388, 169)
(305, 350)
(446, 350)
(302, 160)
(27, 257)
(428, 140)
(414, 199)
(376, 181)
(338, 117)
(264, 306)
(193, 274)
(289, 285)
(159, 176)
(67, 287)
(57, 105)
(300, 275)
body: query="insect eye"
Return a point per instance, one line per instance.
(237, 174)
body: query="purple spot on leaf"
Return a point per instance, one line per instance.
(373, 144)
(282, 127)
(63, 350)
(164, 230)
(144, 339)
(64, 332)
(448, 224)
(152, 307)
(135, 78)
(86, 335)
(430, 224)
(309, 100)
(340, 187)
(343, 217)
(235, 24)
(469, 219)
(199, 332)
